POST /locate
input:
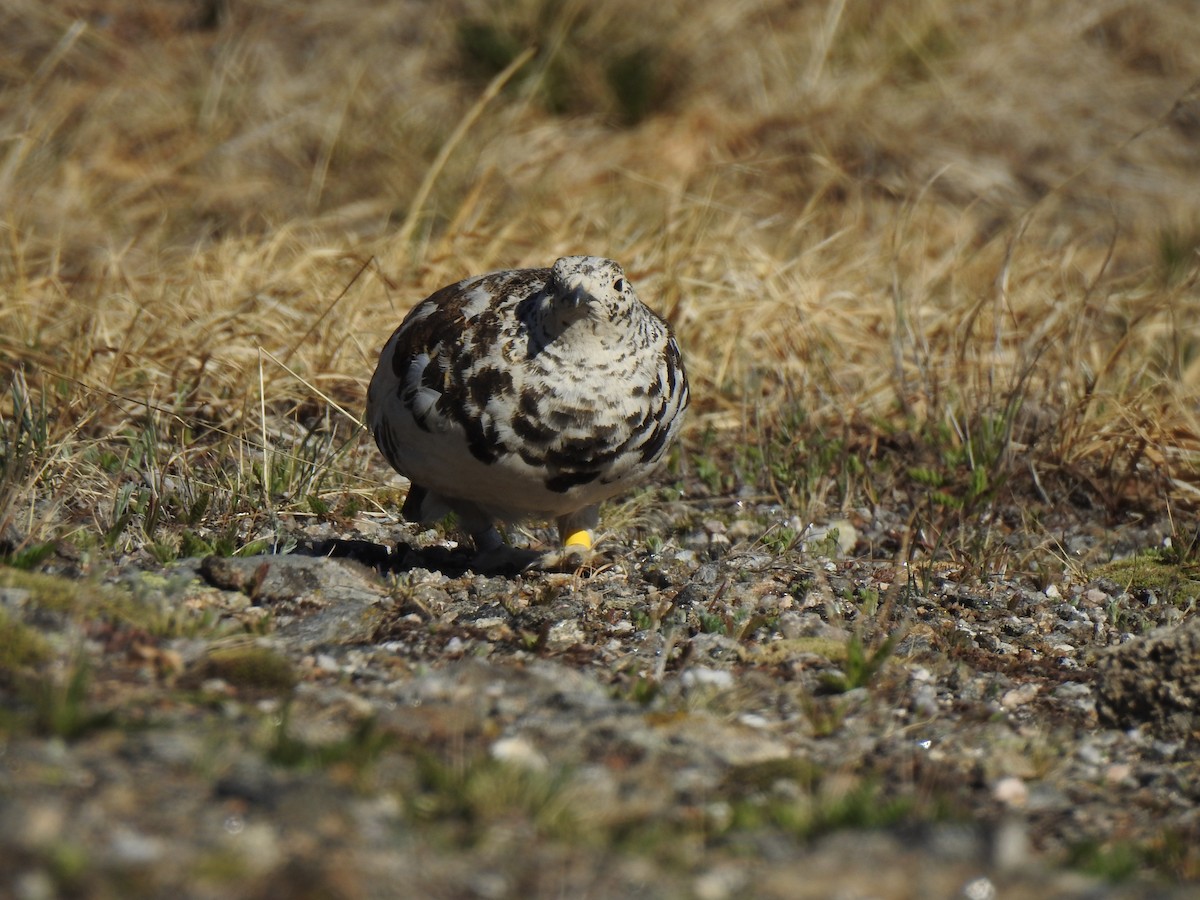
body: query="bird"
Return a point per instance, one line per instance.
(527, 394)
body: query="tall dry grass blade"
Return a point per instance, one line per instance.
(61, 49)
(359, 423)
(1185, 98)
(404, 235)
(825, 36)
(316, 184)
(266, 446)
(27, 139)
(303, 339)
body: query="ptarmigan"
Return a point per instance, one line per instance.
(527, 394)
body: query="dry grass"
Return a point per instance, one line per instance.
(913, 250)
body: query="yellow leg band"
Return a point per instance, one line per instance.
(580, 539)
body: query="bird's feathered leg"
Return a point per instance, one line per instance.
(577, 536)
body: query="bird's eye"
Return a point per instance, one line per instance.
(619, 285)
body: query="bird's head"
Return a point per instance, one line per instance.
(582, 287)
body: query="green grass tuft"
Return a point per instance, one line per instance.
(1172, 580)
(251, 667)
(21, 648)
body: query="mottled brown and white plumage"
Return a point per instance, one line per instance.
(529, 393)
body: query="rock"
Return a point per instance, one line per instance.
(34, 885)
(1011, 791)
(519, 752)
(130, 847)
(1153, 680)
(316, 600)
(702, 676)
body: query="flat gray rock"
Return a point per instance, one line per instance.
(316, 601)
(1153, 680)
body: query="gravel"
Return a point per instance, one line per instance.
(708, 714)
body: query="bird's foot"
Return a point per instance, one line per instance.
(567, 559)
(576, 553)
(495, 557)
(515, 560)
(508, 560)
(504, 560)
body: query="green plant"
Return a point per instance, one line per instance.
(861, 664)
(713, 623)
(250, 666)
(827, 545)
(359, 749)
(636, 78)
(588, 60)
(825, 715)
(29, 557)
(467, 798)
(25, 444)
(1174, 576)
(793, 458)
(61, 708)
(709, 471)
(868, 602)
(1117, 861)
(780, 539)
(818, 802)
(149, 602)
(644, 691)
(21, 647)
(1178, 252)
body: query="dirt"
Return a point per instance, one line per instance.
(713, 713)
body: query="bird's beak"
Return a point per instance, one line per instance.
(576, 298)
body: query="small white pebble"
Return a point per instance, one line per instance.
(132, 848)
(1011, 791)
(1019, 696)
(925, 700)
(979, 889)
(567, 633)
(34, 885)
(519, 752)
(1089, 754)
(719, 884)
(753, 720)
(1117, 773)
(703, 676)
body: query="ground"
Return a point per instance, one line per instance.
(723, 716)
(910, 611)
